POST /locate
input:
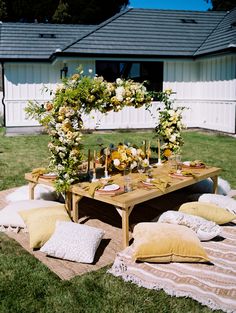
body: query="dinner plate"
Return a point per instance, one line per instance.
(49, 175)
(188, 164)
(111, 187)
(147, 183)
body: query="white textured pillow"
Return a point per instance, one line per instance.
(10, 220)
(41, 192)
(205, 230)
(74, 242)
(222, 201)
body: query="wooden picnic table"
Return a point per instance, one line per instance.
(125, 202)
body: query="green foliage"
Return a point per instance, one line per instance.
(170, 125)
(61, 14)
(3, 10)
(68, 11)
(222, 5)
(62, 117)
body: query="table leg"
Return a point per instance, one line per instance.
(68, 200)
(31, 190)
(125, 224)
(75, 209)
(215, 184)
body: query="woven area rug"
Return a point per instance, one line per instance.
(98, 214)
(211, 285)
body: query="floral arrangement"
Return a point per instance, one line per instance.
(170, 125)
(61, 117)
(124, 156)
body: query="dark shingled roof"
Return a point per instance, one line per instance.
(132, 33)
(222, 37)
(145, 32)
(36, 41)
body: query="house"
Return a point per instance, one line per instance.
(191, 52)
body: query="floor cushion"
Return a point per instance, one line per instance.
(208, 211)
(205, 230)
(163, 243)
(41, 223)
(10, 220)
(74, 242)
(222, 201)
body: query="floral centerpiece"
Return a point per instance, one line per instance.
(170, 125)
(124, 156)
(62, 117)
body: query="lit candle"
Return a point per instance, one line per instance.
(88, 160)
(106, 161)
(159, 150)
(148, 151)
(94, 161)
(145, 148)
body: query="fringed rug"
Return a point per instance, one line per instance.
(98, 214)
(211, 285)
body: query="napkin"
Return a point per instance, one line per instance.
(161, 183)
(36, 172)
(92, 187)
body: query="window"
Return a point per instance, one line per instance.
(152, 72)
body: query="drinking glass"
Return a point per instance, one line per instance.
(140, 168)
(178, 163)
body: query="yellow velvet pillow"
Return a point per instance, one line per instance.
(163, 243)
(41, 223)
(208, 211)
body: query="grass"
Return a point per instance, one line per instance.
(26, 285)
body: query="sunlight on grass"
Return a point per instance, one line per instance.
(26, 285)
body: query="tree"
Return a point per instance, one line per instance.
(222, 5)
(3, 10)
(61, 14)
(62, 11)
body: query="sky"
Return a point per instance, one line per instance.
(195, 5)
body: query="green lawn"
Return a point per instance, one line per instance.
(26, 285)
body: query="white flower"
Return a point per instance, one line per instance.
(133, 165)
(133, 151)
(145, 162)
(90, 70)
(116, 162)
(173, 138)
(119, 81)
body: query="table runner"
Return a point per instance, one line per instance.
(212, 285)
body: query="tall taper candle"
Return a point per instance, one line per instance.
(149, 150)
(88, 160)
(94, 161)
(159, 150)
(106, 160)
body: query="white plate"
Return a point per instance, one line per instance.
(147, 183)
(49, 175)
(112, 187)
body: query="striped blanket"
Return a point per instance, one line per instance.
(211, 285)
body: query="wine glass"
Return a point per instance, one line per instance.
(140, 168)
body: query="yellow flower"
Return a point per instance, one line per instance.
(167, 153)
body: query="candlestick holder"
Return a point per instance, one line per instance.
(94, 179)
(159, 163)
(106, 174)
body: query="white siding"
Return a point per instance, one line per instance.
(207, 87)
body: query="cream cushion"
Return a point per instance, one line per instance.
(222, 201)
(10, 218)
(162, 243)
(74, 242)
(208, 211)
(205, 230)
(41, 223)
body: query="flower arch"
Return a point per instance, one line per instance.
(62, 117)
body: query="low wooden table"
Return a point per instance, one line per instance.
(125, 202)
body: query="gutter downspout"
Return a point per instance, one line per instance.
(3, 96)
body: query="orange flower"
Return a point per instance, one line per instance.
(167, 153)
